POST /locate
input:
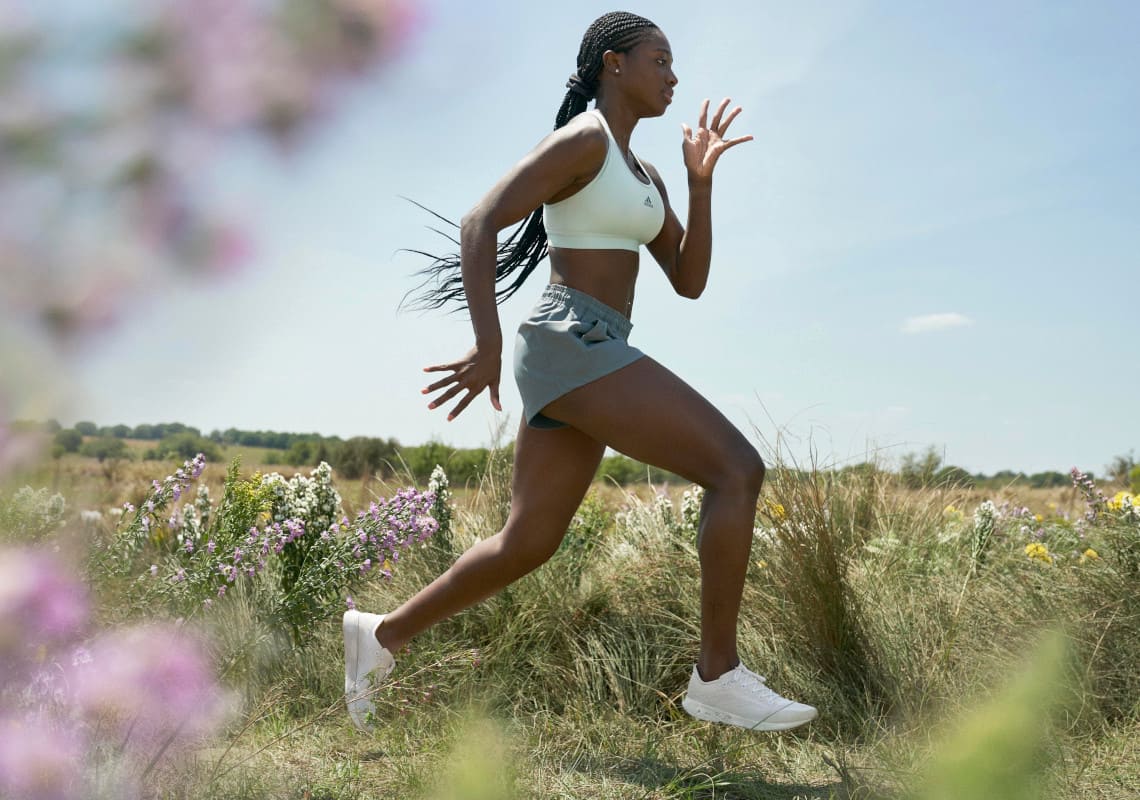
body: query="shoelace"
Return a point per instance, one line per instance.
(754, 683)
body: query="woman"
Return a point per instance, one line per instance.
(591, 205)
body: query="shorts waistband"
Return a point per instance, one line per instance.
(618, 322)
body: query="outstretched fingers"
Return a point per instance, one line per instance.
(719, 113)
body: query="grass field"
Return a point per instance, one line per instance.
(949, 656)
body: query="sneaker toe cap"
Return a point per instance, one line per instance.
(793, 712)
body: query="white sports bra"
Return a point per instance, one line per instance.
(614, 211)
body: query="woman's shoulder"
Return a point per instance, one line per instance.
(583, 134)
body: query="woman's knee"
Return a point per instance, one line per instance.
(742, 472)
(527, 549)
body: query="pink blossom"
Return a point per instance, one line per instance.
(40, 603)
(153, 681)
(39, 760)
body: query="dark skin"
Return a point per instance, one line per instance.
(642, 410)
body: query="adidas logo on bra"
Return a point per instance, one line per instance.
(648, 202)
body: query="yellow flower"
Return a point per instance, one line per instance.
(1119, 499)
(950, 511)
(775, 509)
(1038, 552)
(1038, 517)
(1089, 555)
(762, 564)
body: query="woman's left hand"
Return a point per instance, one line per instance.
(702, 147)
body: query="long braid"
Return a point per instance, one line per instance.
(526, 247)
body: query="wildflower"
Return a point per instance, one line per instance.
(153, 570)
(1121, 500)
(1089, 555)
(40, 602)
(762, 564)
(153, 681)
(1038, 552)
(350, 603)
(38, 759)
(775, 509)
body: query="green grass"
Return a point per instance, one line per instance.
(936, 676)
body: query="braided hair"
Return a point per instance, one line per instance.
(522, 251)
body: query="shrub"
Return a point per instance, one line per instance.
(106, 448)
(69, 440)
(283, 538)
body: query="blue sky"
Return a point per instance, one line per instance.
(932, 241)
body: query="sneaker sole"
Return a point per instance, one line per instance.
(696, 708)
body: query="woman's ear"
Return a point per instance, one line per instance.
(611, 62)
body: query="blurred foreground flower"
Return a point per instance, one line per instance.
(109, 128)
(39, 758)
(95, 720)
(154, 683)
(41, 605)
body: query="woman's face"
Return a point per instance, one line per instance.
(646, 76)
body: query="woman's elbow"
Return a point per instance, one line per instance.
(690, 290)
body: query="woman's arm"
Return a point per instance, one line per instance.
(566, 157)
(685, 253)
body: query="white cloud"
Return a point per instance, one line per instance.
(936, 322)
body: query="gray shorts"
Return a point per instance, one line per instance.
(569, 340)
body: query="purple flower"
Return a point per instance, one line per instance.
(153, 682)
(38, 759)
(348, 601)
(41, 603)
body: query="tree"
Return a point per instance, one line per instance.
(955, 477)
(185, 446)
(69, 440)
(105, 448)
(917, 471)
(1119, 469)
(86, 428)
(145, 432)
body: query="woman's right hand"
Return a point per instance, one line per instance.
(476, 371)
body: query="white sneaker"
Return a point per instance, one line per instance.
(366, 664)
(740, 697)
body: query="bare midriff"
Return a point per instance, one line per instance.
(606, 275)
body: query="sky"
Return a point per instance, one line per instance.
(932, 240)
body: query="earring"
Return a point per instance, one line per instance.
(617, 70)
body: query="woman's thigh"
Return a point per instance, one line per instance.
(553, 470)
(648, 413)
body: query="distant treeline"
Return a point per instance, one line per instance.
(360, 456)
(351, 458)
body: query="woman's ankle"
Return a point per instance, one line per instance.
(387, 638)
